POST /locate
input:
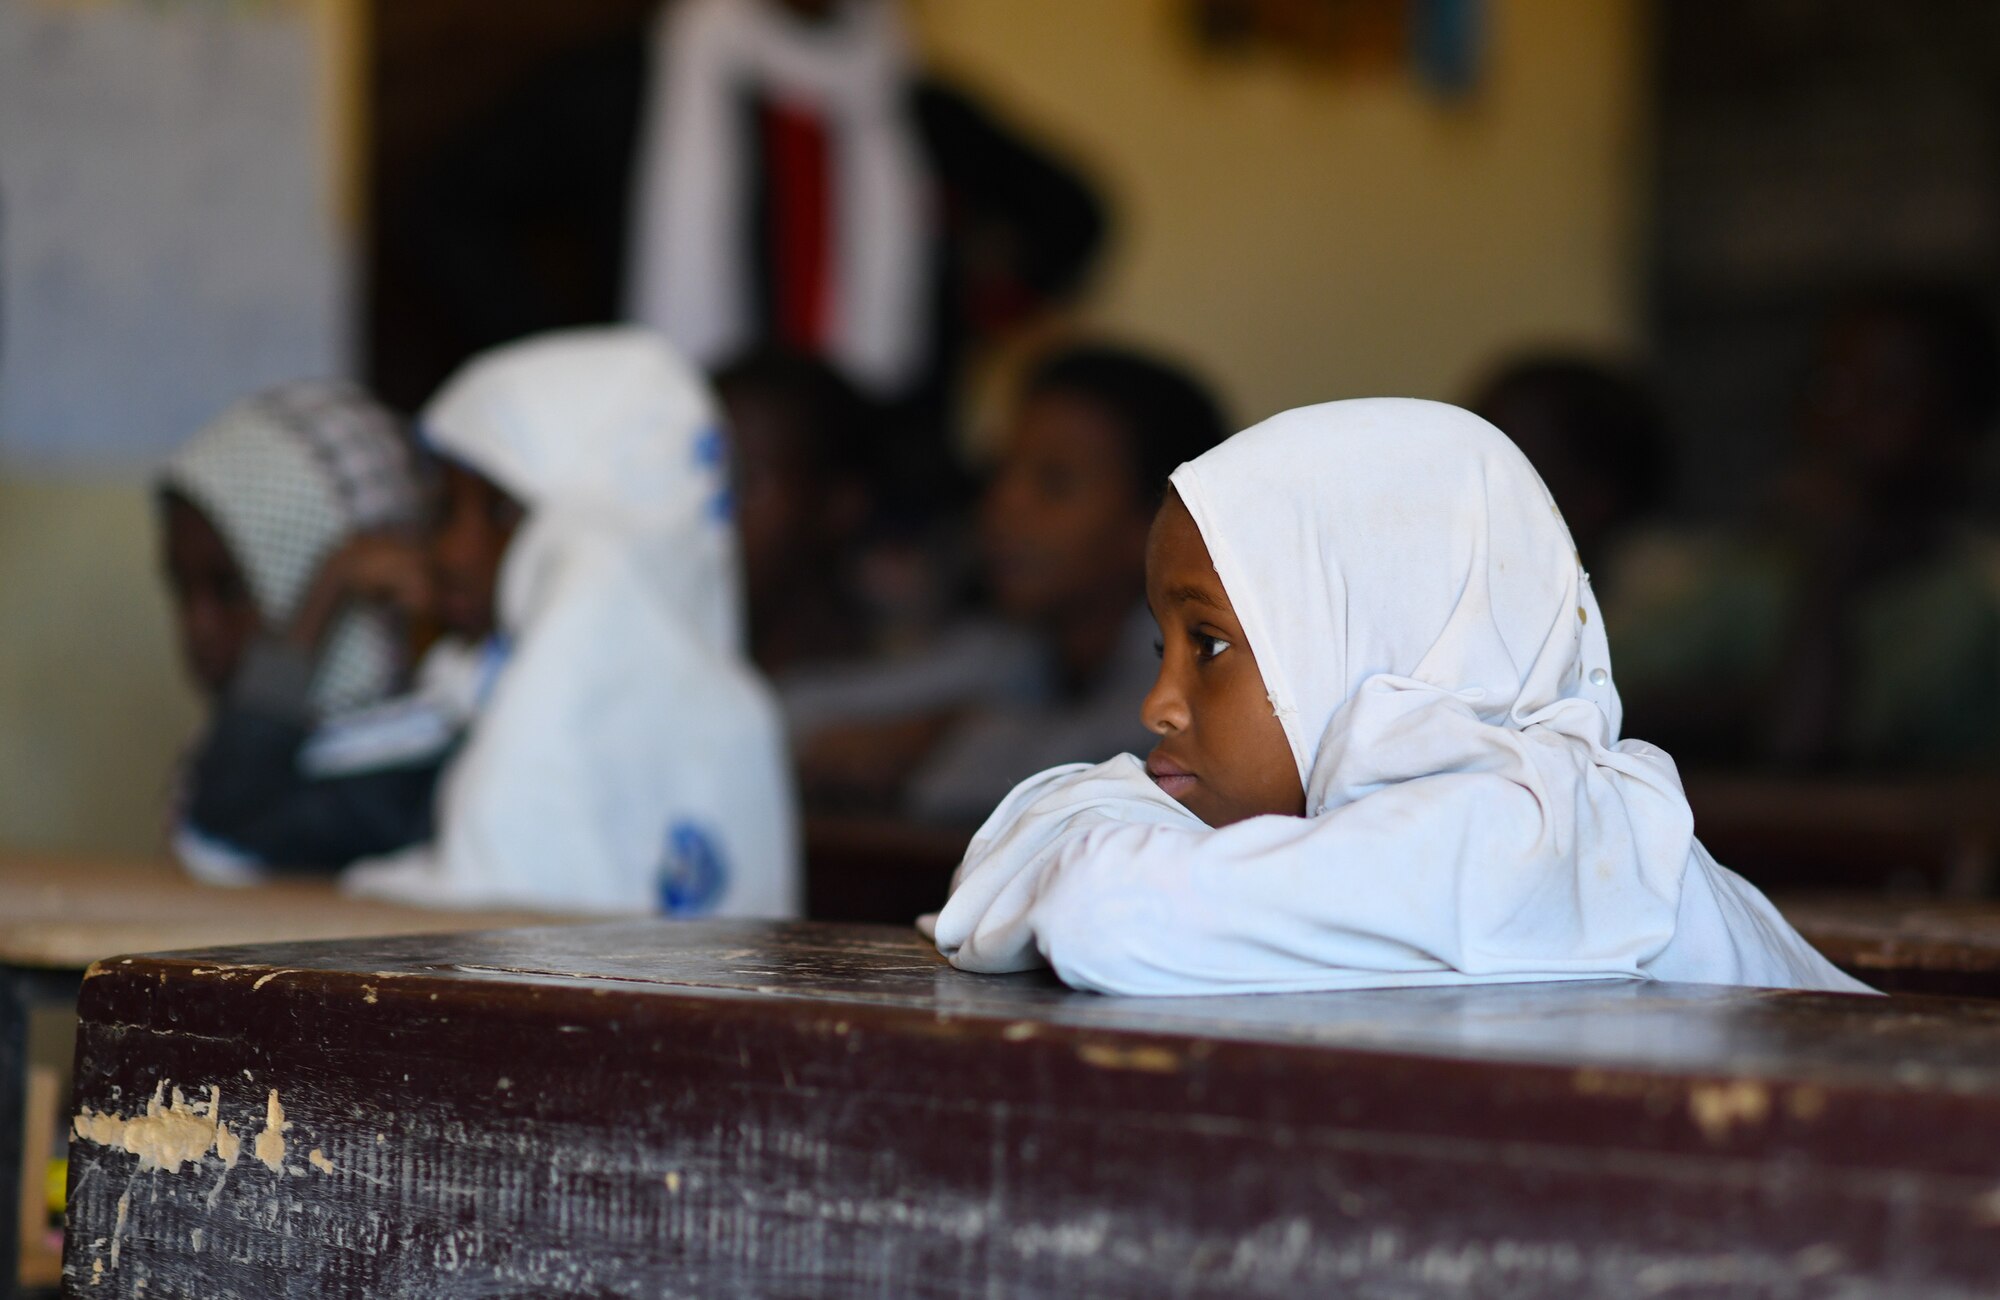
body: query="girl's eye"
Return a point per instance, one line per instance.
(1208, 647)
(1159, 648)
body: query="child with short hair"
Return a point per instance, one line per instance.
(1388, 751)
(944, 733)
(803, 463)
(622, 754)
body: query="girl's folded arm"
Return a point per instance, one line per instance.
(983, 926)
(1411, 883)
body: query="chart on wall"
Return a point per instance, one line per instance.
(168, 236)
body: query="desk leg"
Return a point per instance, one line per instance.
(13, 1104)
(21, 993)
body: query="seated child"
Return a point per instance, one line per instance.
(287, 544)
(1593, 432)
(622, 756)
(1049, 676)
(1388, 751)
(800, 434)
(1852, 622)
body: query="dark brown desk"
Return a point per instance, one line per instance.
(652, 1109)
(57, 915)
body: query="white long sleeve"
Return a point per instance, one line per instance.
(1086, 870)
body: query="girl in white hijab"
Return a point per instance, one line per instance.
(622, 755)
(1389, 751)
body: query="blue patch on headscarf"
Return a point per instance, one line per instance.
(711, 452)
(493, 656)
(694, 876)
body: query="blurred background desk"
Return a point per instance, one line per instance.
(60, 914)
(1904, 945)
(864, 869)
(1907, 835)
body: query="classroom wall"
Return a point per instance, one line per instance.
(93, 709)
(177, 204)
(1307, 234)
(170, 230)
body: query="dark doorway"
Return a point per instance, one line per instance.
(522, 113)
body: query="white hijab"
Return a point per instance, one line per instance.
(1432, 647)
(627, 757)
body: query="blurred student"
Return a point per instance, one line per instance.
(1050, 673)
(1593, 433)
(622, 754)
(1857, 624)
(800, 439)
(288, 531)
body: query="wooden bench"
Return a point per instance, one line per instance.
(57, 915)
(745, 1109)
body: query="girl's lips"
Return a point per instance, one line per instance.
(1170, 776)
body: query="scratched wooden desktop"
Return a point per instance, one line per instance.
(60, 913)
(743, 1109)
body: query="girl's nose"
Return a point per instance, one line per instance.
(1164, 710)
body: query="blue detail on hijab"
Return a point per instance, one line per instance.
(694, 876)
(711, 452)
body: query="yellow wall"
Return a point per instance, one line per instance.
(93, 709)
(1306, 235)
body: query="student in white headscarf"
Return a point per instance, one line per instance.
(1388, 751)
(622, 755)
(288, 531)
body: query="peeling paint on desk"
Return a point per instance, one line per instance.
(1150, 1060)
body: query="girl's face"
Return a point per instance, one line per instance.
(1062, 529)
(1222, 752)
(476, 521)
(216, 614)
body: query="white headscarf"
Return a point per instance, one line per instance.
(1431, 645)
(285, 477)
(627, 758)
(602, 433)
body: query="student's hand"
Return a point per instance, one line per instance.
(379, 568)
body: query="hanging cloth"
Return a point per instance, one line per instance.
(836, 159)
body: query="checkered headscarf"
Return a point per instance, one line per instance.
(286, 477)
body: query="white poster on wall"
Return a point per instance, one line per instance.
(168, 233)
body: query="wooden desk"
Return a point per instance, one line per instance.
(736, 1109)
(1904, 945)
(59, 914)
(1939, 835)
